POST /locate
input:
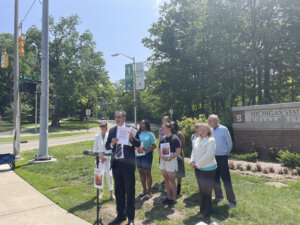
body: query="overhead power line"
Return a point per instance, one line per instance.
(28, 12)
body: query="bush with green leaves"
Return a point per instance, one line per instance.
(289, 159)
(187, 126)
(249, 157)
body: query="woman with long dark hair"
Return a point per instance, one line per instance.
(144, 157)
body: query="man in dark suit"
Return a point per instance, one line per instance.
(123, 168)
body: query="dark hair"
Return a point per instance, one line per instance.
(147, 124)
(174, 127)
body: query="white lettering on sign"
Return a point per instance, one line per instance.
(238, 118)
(273, 115)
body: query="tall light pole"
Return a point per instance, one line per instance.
(44, 111)
(16, 114)
(134, 83)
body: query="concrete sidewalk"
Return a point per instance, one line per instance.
(21, 204)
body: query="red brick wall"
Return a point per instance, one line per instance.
(263, 140)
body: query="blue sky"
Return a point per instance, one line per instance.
(117, 25)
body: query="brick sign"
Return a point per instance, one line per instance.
(265, 127)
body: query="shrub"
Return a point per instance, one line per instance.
(258, 167)
(285, 170)
(298, 170)
(294, 172)
(249, 157)
(241, 168)
(248, 167)
(231, 165)
(265, 170)
(187, 126)
(239, 165)
(254, 169)
(271, 169)
(289, 159)
(280, 171)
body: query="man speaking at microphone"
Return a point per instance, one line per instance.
(123, 166)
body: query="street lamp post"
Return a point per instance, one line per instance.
(134, 82)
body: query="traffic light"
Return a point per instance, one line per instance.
(4, 59)
(21, 45)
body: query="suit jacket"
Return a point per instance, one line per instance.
(129, 151)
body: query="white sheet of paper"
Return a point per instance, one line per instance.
(123, 136)
(133, 131)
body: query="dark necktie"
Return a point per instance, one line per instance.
(119, 150)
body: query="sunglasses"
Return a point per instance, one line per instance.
(102, 126)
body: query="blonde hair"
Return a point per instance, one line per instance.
(209, 133)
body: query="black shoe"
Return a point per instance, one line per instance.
(117, 220)
(172, 202)
(178, 189)
(130, 222)
(165, 201)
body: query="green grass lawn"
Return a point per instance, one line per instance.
(69, 183)
(36, 137)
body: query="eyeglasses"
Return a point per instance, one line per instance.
(118, 117)
(102, 126)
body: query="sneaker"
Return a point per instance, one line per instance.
(165, 201)
(232, 204)
(141, 194)
(101, 195)
(148, 196)
(172, 202)
(112, 198)
(215, 199)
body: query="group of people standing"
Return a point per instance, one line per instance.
(211, 145)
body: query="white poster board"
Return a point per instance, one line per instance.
(165, 149)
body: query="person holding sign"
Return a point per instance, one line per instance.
(122, 140)
(144, 157)
(104, 164)
(169, 149)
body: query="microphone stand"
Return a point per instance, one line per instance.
(89, 152)
(99, 220)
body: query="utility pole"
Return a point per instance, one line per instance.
(16, 114)
(134, 90)
(44, 105)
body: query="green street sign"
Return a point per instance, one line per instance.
(25, 77)
(128, 77)
(128, 85)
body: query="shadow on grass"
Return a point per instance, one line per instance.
(192, 201)
(159, 211)
(219, 213)
(88, 205)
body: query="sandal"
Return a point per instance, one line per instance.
(141, 194)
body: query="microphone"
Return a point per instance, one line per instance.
(93, 153)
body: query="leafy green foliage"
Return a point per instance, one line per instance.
(187, 126)
(249, 157)
(289, 159)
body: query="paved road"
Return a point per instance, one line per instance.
(34, 144)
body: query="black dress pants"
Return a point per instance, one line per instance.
(124, 178)
(223, 173)
(205, 180)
